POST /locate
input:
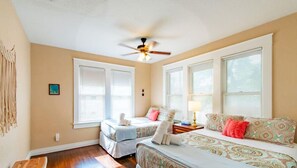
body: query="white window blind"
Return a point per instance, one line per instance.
(175, 91)
(101, 91)
(121, 93)
(201, 77)
(91, 94)
(243, 84)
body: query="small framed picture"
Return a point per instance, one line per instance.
(54, 89)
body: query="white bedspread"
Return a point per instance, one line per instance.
(121, 132)
(112, 130)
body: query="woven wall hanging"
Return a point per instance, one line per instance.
(8, 110)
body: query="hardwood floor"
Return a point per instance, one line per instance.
(87, 157)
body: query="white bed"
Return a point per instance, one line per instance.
(205, 148)
(119, 149)
(120, 141)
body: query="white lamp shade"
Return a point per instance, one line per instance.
(194, 106)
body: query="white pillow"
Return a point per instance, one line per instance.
(166, 114)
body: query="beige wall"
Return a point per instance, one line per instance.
(284, 63)
(15, 145)
(51, 114)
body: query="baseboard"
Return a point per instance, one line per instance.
(58, 148)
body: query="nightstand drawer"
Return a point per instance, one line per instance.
(178, 131)
(178, 128)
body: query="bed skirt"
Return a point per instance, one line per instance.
(119, 149)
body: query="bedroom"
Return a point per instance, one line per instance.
(47, 35)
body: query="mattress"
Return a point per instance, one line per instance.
(140, 127)
(205, 148)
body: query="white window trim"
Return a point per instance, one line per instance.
(107, 67)
(264, 42)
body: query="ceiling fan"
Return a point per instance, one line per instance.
(144, 50)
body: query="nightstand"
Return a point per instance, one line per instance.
(178, 128)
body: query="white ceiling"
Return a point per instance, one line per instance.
(98, 26)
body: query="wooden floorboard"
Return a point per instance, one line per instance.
(87, 157)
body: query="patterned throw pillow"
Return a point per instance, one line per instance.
(216, 122)
(166, 115)
(278, 130)
(150, 110)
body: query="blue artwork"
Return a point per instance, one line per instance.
(54, 89)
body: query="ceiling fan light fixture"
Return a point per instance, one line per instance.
(144, 57)
(147, 58)
(144, 49)
(143, 54)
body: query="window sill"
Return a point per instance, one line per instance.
(86, 125)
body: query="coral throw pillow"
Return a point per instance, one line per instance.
(153, 115)
(235, 129)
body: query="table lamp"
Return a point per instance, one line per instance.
(194, 106)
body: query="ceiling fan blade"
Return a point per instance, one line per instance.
(160, 52)
(152, 44)
(130, 54)
(124, 45)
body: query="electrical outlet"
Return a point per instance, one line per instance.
(57, 137)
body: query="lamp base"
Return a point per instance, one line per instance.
(194, 125)
(194, 120)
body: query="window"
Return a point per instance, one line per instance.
(175, 91)
(235, 80)
(201, 86)
(121, 93)
(243, 84)
(91, 94)
(101, 91)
